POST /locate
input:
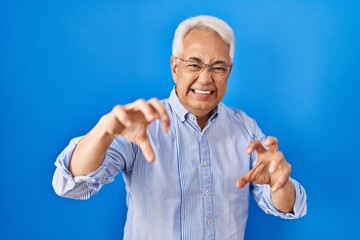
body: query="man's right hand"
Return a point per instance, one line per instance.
(131, 122)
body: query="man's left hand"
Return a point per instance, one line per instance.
(271, 167)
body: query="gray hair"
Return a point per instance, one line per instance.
(203, 22)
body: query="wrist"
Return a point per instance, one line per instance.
(104, 131)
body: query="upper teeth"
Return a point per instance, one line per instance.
(201, 91)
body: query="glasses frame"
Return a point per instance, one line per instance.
(209, 67)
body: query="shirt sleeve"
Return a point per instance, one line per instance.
(263, 198)
(119, 157)
(262, 192)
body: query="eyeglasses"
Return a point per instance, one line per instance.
(194, 65)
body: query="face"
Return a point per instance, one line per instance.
(200, 92)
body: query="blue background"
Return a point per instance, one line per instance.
(63, 64)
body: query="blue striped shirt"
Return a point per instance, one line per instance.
(190, 191)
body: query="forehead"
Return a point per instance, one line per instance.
(205, 44)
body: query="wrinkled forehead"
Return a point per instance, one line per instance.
(205, 44)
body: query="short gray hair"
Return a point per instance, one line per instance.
(203, 22)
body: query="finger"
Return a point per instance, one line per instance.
(275, 159)
(163, 115)
(283, 178)
(281, 182)
(255, 146)
(147, 109)
(147, 150)
(121, 115)
(242, 181)
(271, 143)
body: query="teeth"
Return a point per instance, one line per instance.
(201, 91)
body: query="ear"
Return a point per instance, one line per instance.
(174, 68)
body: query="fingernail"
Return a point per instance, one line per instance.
(271, 169)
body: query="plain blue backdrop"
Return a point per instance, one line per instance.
(63, 64)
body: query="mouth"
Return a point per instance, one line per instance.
(203, 92)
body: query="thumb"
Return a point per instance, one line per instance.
(241, 182)
(147, 150)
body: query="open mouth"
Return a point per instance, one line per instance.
(204, 92)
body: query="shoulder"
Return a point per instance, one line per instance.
(165, 102)
(240, 117)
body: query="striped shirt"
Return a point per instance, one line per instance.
(190, 191)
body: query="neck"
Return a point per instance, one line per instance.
(201, 121)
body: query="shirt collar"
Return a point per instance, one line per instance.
(181, 111)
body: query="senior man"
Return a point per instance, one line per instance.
(186, 160)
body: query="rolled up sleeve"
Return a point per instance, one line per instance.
(262, 195)
(83, 187)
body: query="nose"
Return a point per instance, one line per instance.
(205, 75)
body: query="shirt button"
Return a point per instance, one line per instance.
(209, 222)
(205, 163)
(93, 181)
(206, 192)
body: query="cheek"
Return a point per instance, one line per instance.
(222, 88)
(183, 84)
(181, 88)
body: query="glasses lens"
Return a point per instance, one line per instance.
(193, 65)
(219, 69)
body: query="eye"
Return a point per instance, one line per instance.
(193, 66)
(219, 69)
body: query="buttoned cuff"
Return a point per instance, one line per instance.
(65, 182)
(299, 209)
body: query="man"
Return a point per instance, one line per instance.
(186, 160)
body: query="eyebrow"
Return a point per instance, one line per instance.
(216, 62)
(195, 58)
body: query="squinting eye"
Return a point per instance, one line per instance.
(193, 66)
(219, 69)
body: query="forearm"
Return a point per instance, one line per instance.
(91, 150)
(284, 198)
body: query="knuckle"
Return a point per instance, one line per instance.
(140, 101)
(153, 100)
(279, 155)
(272, 138)
(117, 108)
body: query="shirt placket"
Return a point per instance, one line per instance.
(207, 186)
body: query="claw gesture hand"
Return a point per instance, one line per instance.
(271, 167)
(131, 122)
